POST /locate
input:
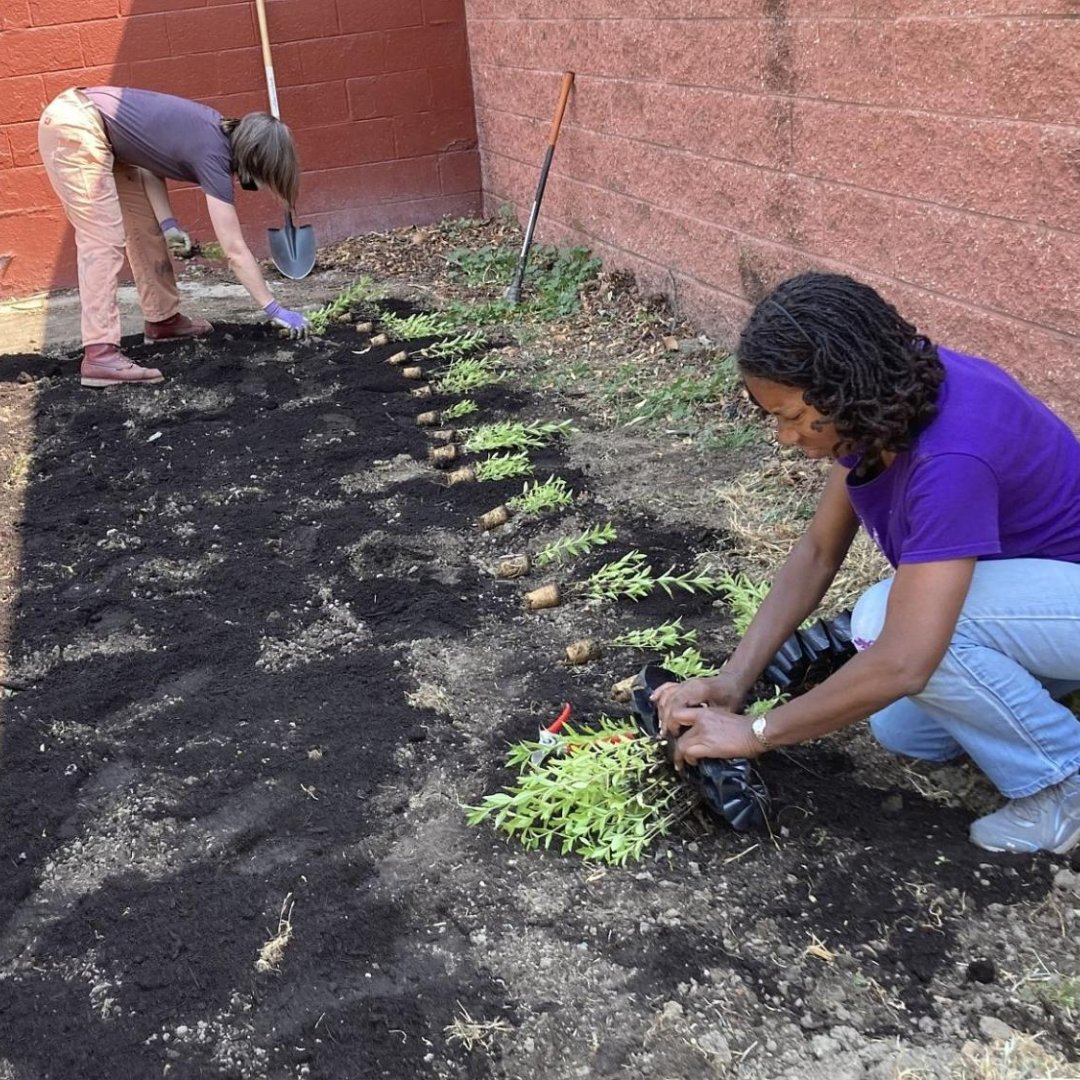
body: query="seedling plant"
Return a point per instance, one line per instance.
(689, 664)
(604, 794)
(454, 347)
(663, 638)
(763, 705)
(460, 409)
(744, 596)
(468, 374)
(421, 325)
(513, 435)
(489, 313)
(536, 497)
(504, 467)
(631, 577)
(365, 290)
(567, 548)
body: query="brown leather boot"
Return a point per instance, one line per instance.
(106, 365)
(175, 328)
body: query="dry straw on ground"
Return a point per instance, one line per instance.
(767, 509)
(1018, 1058)
(473, 1034)
(273, 952)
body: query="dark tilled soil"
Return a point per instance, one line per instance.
(261, 662)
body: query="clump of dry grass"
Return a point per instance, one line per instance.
(273, 952)
(768, 507)
(429, 696)
(1018, 1058)
(475, 1033)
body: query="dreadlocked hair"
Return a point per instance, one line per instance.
(856, 360)
(263, 152)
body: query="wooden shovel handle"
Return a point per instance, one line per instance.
(264, 33)
(564, 96)
(268, 62)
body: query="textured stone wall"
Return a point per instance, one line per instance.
(378, 94)
(930, 148)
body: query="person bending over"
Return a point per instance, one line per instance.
(970, 486)
(98, 145)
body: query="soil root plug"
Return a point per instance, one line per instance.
(364, 327)
(623, 690)
(412, 372)
(441, 456)
(421, 391)
(427, 419)
(581, 652)
(547, 596)
(398, 357)
(445, 435)
(465, 475)
(513, 566)
(379, 339)
(500, 515)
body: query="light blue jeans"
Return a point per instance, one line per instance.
(995, 695)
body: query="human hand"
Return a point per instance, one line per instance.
(292, 321)
(718, 690)
(713, 733)
(177, 238)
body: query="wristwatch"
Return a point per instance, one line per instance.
(758, 728)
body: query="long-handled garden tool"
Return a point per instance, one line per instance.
(513, 291)
(291, 247)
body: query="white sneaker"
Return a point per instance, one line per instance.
(1049, 820)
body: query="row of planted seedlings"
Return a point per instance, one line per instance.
(600, 790)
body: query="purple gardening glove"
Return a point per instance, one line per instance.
(292, 321)
(177, 238)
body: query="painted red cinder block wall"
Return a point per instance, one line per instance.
(930, 147)
(377, 92)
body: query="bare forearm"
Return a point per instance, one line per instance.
(796, 591)
(866, 683)
(249, 275)
(157, 194)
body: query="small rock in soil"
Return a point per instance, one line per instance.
(990, 1027)
(1067, 880)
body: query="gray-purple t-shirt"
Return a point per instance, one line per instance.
(995, 475)
(170, 136)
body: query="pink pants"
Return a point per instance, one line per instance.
(106, 203)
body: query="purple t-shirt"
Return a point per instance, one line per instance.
(995, 475)
(169, 136)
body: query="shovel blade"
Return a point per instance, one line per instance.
(292, 248)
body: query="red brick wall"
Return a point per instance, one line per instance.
(377, 92)
(721, 146)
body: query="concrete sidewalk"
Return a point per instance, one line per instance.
(49, 323)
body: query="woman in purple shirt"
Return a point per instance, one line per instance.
(971, 488)
(101, 146)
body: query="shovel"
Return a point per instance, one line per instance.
(291, 247)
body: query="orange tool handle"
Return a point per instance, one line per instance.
(564, 97)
